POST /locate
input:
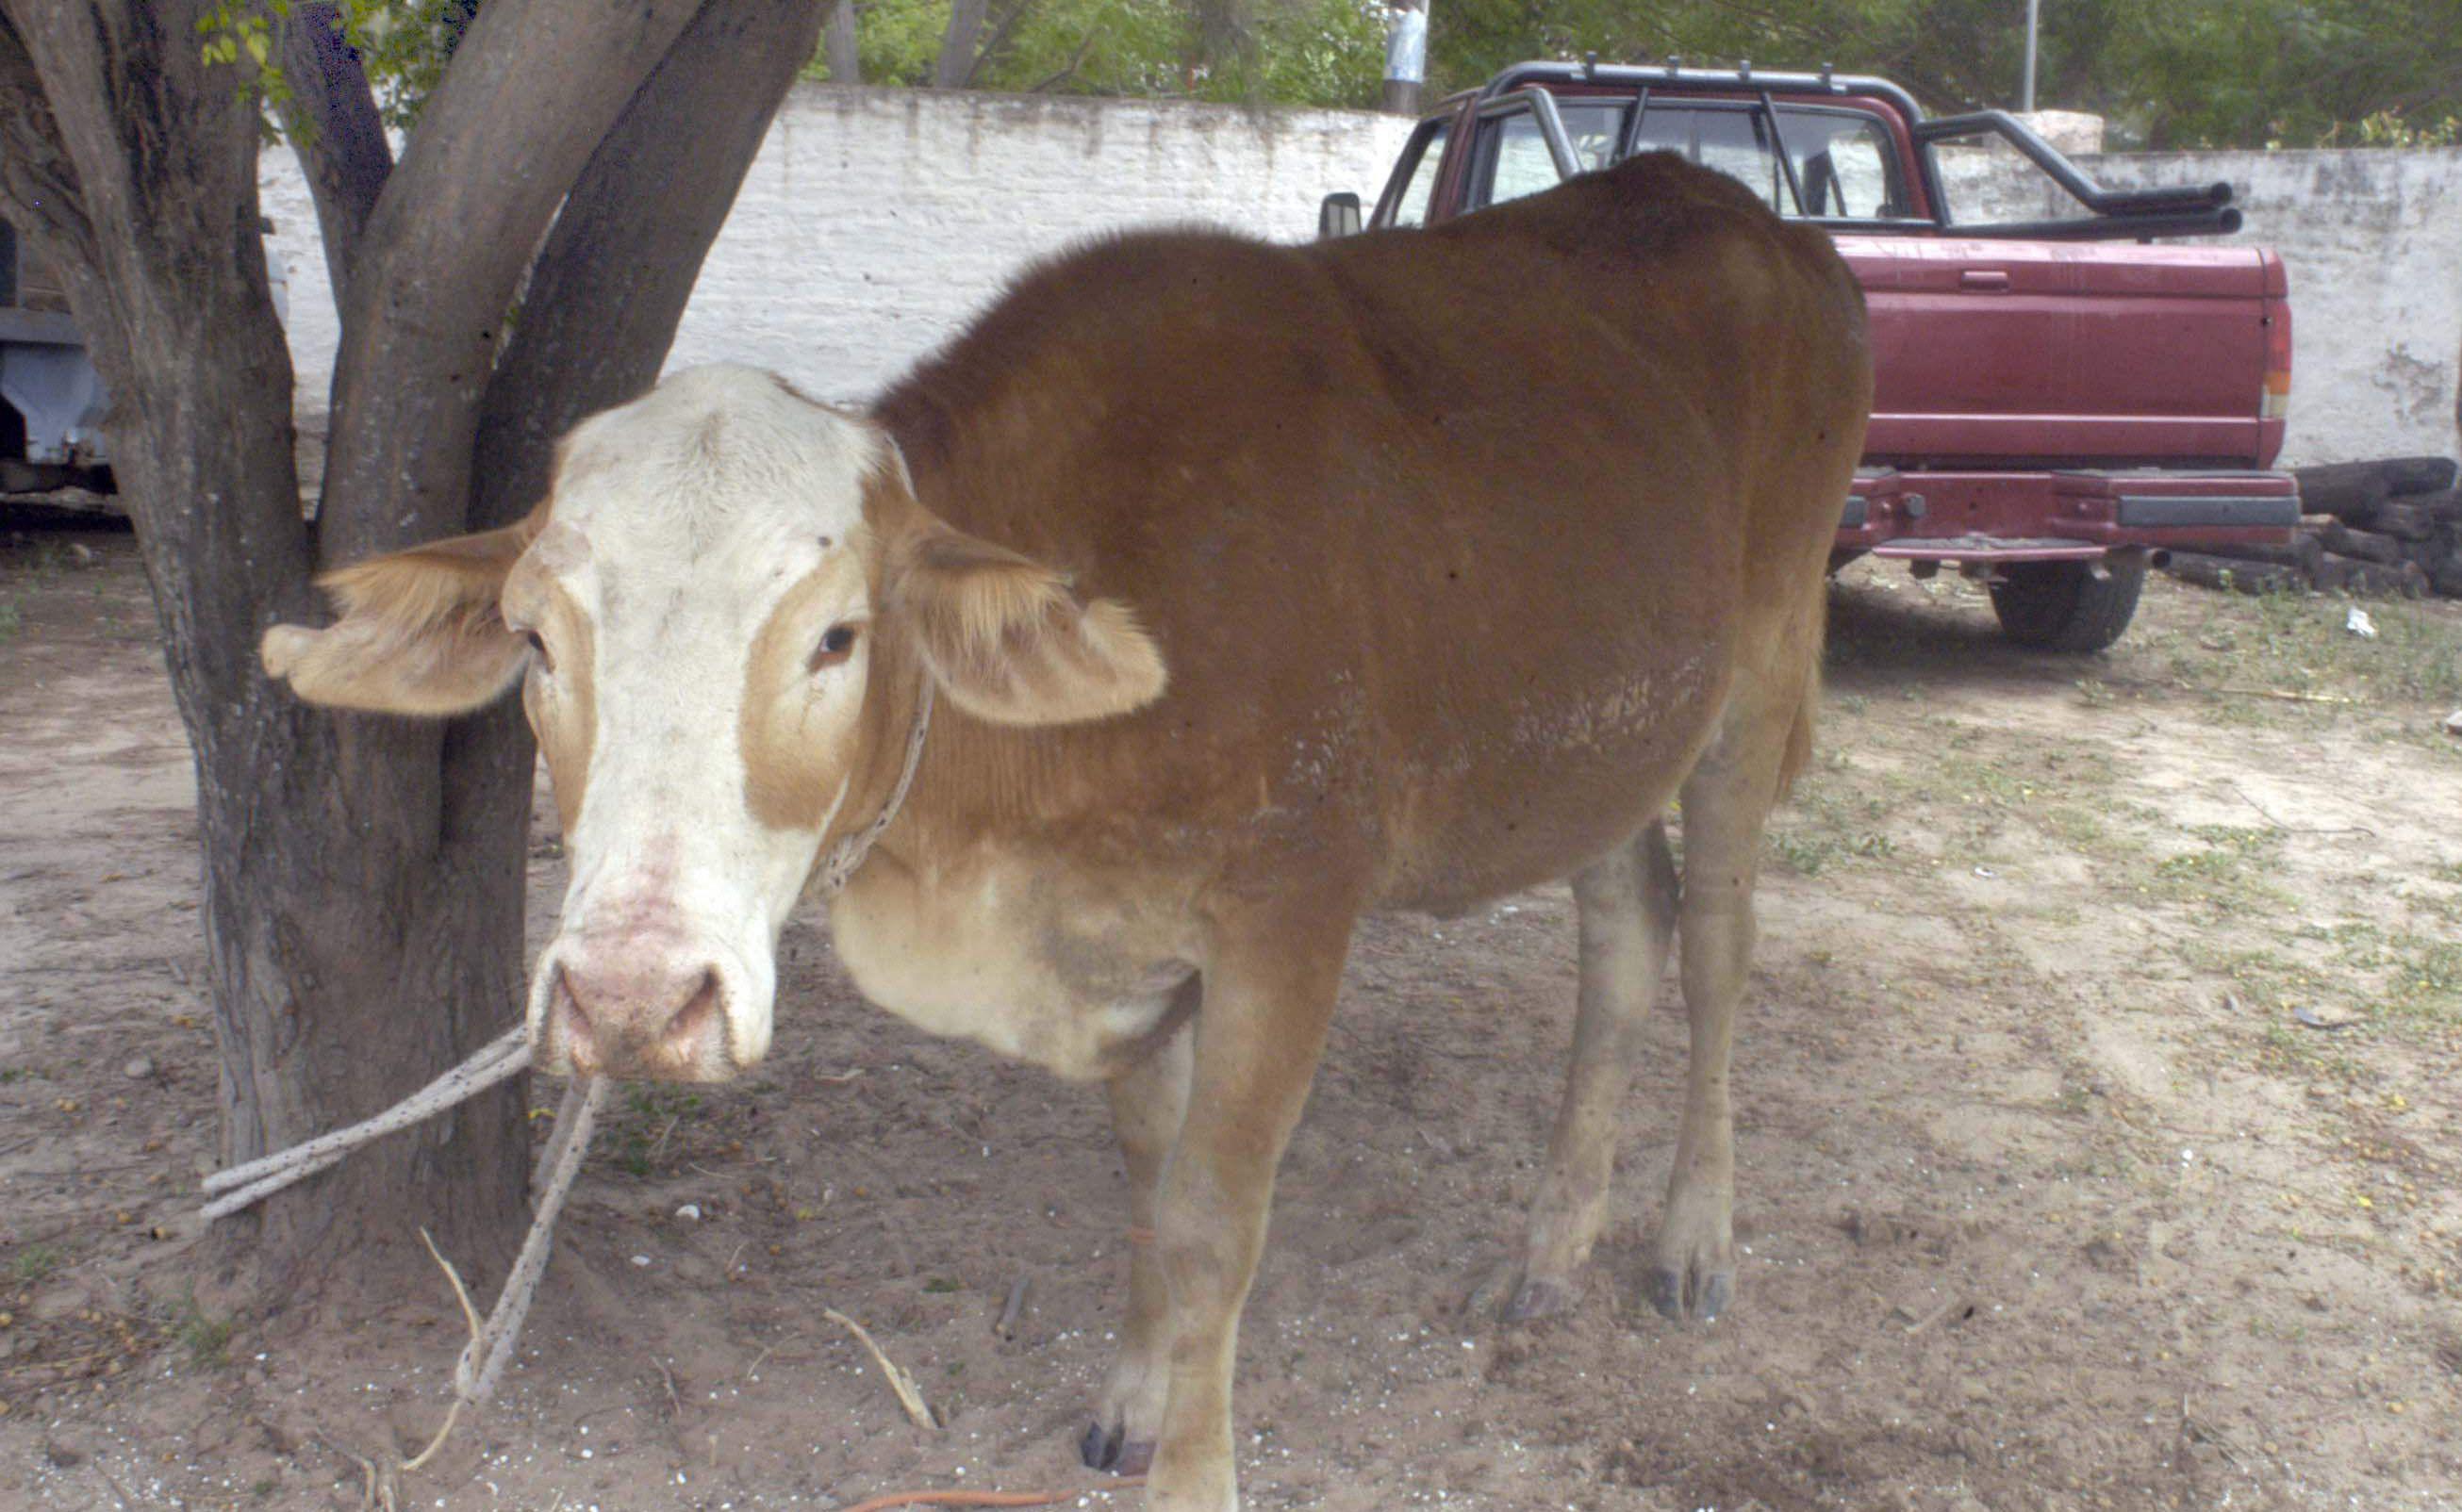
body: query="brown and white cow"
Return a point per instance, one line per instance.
(1251, 588)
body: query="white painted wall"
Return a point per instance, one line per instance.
(2374, 244)
(875, 222)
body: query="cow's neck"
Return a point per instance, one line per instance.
(897, 722)
(840, 861)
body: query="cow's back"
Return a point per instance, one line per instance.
(1451, 539)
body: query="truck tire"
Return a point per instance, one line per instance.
(2068, 606)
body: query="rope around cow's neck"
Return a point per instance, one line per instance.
(491, 1341)
(848, 854)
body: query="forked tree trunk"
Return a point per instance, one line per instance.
(363, 877)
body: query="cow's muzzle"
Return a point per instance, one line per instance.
(638, 1015)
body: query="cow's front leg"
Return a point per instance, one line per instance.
(1147, 1105)
(1267, 1001)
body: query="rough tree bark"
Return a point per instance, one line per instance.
(363, 878)
(335, 128)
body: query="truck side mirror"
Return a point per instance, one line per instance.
(1338, 216)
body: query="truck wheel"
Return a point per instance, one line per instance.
(2068, 606)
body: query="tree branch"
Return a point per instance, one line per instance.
(532, 89)
(38, 183)
(1002, 30)
(1076, 61)
(611, 282)
(335, 130)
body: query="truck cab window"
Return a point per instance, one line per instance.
(1845, 160)
(1513, 151)
(1737, 143)
(1411, 208)
(1847, 164)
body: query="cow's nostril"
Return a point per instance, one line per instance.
(691, 1021)
(569, 1001)
(572, 1020)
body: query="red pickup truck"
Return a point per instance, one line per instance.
(2058, 398)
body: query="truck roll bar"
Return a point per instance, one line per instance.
(2182, 210)
(1551, 124)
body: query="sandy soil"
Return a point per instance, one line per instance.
(2050, 1200)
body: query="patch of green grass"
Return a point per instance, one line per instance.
(2286, 1048)
(33, 1263)
(2227, 874)
(205, 1337)
(2426, 980)
(1981, 781)
(1812, 853)
(1826, 825)
(10, 620)
(2269, 979)
(2398, 982)
(2076, 828)
(648, 1125)
(2298, 642)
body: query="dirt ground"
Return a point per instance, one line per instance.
(2050, 1197)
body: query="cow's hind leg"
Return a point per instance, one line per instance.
(1628, 902)
(1727, 802)
(1147, 1107)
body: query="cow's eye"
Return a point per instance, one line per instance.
(538, 649)
(838, 644)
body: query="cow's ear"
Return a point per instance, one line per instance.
(1006, 641)
(421, 631)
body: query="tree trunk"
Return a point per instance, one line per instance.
(335, 128)
(365, 876)
(611, 282)
(839, 51)
(956, 63)
(353, 950)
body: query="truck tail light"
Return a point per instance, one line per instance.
(2275, 404)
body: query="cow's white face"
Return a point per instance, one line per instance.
(694, 625)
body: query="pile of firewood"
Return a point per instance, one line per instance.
(2371, 527)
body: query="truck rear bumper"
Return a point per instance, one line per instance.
(2062, 516)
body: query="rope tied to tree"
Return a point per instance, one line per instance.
(491, 1342)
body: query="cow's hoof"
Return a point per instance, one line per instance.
(1689, 1293)
(1100, 1448)
(1536, 1299)
(1112, 1449)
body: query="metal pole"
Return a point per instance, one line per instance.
(2034, 16)
(1406, 56)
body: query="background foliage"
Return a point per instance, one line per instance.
(2165, 73)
